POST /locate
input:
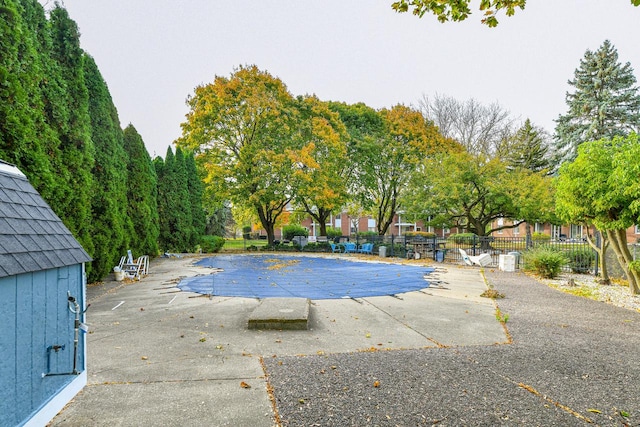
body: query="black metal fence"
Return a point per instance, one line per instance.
(581, 258)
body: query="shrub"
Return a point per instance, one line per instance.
(317, 247)
(210, 244)
(462, 238)
(545, 262)
(581, 260)
(292, 230)
(425, 234)
(368, 235)
(538, 237)
(333, 232)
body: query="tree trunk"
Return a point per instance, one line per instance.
(323, 215)
(320, 217)
(268, 226)
(618, 241)
(602, 256)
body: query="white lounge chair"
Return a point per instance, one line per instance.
(482, 260)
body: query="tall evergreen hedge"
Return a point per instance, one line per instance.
(142, 194)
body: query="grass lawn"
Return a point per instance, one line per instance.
(235, 245)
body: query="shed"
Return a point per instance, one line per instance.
(42, 300)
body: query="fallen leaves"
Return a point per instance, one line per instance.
(244, 385)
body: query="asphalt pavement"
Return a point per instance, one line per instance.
(438, 356)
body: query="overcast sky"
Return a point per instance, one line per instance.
(153, 53)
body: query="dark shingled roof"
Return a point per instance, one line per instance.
(32, 237)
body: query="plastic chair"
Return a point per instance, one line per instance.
(482, 260)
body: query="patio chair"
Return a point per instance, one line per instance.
(350, 248)
(335, 248)
(366, 248)
(134, 269)
(482, 260)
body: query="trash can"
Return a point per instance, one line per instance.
(507, 262)
(382, 250)
(516, 255)
(118, 273)
(439, 255)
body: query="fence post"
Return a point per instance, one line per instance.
(475, 238)
(392, 244)
(434, 245)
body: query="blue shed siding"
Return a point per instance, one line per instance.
(34, 315)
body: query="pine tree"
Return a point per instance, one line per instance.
(142, 193)
(605, 103)
(529, 148)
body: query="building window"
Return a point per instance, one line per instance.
(575, 232)
(516, 230)
(637, 229)
(538, 227)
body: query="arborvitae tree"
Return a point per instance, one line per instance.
(194, 189)
(112, 228)
(174, 207)
(606, 102)
(26, 138)
(164, 230)
(142, 193)
(76, 147)
(183, 225)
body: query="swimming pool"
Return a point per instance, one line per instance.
(268, 276)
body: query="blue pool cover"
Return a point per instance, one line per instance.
(263, 276)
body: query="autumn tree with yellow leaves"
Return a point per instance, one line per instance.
(242, 130)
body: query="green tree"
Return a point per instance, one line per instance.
(182, 231)
(142, 193)
(164, 231)
(219, 221)
(174, 204)
(27, 137)
(528, 149)
(386, 157)
(601, 187)
(605, 103)
(472, 191)
(241, 129)
(321, 163)
(74, 127)
(194, 190)
(458, 10)
(112, 227)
